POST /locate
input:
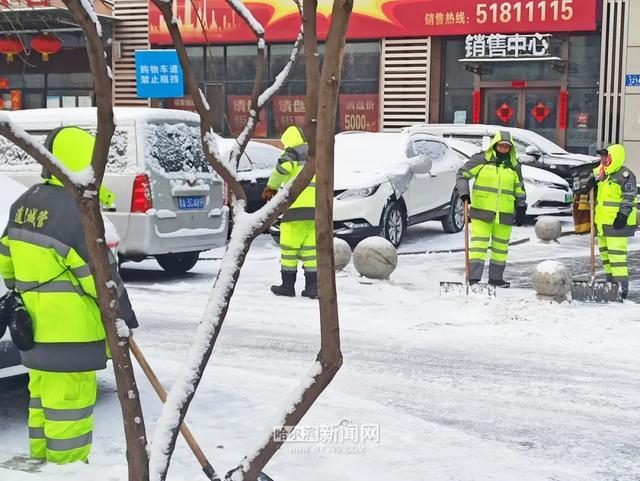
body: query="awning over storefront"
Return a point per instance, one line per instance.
(35, 16)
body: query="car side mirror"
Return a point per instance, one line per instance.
(533, 151)
(420, 164)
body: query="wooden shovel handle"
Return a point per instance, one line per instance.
(592, 231)
(467, 266)
(162, 394)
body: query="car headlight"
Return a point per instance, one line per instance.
(540, 183)
(362, 192)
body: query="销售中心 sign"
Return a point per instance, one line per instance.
(498, 47)
(159, 74)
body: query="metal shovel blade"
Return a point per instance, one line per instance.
(592, 291)
(464, 288)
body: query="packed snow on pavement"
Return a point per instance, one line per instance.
(433, 388)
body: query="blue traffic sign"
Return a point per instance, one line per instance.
(633, 80)
(159, 74)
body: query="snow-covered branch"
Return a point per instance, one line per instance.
(247, 16)
(262, 100)
(13, 133)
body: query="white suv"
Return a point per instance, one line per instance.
(385, 182)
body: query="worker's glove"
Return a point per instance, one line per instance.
(466, 198)
(620, 222)
(521, 214)
(268, 193)
(592, 183)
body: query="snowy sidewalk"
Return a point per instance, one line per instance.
(456, 388)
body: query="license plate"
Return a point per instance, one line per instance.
(191, 202)
(568, 198)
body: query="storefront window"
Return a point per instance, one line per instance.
(196, 57)
(458, 85)
(582, 122)
(584, 60)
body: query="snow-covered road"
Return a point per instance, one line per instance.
(444, 388)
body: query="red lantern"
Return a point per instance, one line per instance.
(10, 46)
(46, 45)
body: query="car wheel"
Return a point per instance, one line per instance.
(178, 263)
(454, 221)
(393, 223)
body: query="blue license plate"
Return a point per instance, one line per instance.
(568, 198)
(191, 202)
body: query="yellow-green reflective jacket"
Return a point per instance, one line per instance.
(498, 187)
(617, 192)
(290, 163)
(43, 256)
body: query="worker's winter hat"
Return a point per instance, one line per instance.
(73, 147)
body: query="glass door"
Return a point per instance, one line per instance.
(501, 107)
(541, 112)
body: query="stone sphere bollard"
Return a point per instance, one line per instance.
(548, 229)
(342, 253)
(552, 279)
(375, 258)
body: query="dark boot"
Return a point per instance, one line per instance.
(500, 283)
(288, 285)
(473, 282)
(624, 289)
(311, 285)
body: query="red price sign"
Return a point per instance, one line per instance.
(289, 110)
(359, 112)
(238, 107)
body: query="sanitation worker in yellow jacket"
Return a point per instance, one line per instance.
(497, 200)
(616, 213)
(44, 258)
(297, 228)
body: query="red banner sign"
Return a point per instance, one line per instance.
(476, 106)
(16, 99)
(289, 110)
(374, 19)
(4, 83)
(359, 112)
(238, 107)
(563, 109)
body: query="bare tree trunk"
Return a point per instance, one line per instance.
(329, 358)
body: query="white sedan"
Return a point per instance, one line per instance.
(547, 193)
(10, 190)
(385, 182)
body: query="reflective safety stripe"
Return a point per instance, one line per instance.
(4, 250)
(35, 403)
(66, 356)
(501, 241)
(480, 239)
(281, 170)
(287, 248)
(51, 287)
(289, 269)
(83, 271)
(608, 203)
(40, 240)
(312, 184)
(477, 249)
(307, 248)
(615, 252)
(69, 444)
(300, 213)
(310, 269)
(499, 251)
(311, 257)
(36, 433)
(509, 192)
(485, 189)
(67, 414)
(500, 263)
(618, 264)
(288, 257)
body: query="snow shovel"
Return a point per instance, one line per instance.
(464, 287)
(592, 290)
(184, 430)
